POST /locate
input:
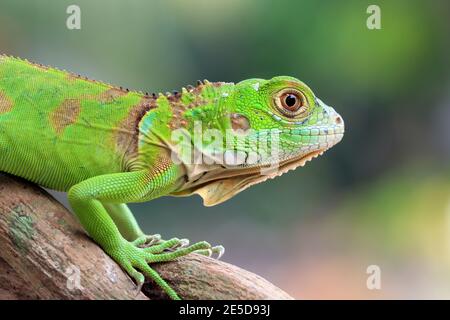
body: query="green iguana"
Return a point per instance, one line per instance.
(108, 146)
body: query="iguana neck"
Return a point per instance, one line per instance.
(201, 105)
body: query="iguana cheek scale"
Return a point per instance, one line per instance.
(108, 146)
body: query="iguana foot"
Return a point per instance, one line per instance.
(151, 240)
(135, 259)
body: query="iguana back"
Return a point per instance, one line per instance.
(63, 125)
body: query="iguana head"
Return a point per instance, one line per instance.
(249, 132)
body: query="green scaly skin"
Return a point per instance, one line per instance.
(108, 146)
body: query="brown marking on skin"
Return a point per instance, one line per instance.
(127, 136)
(108, 96)
(218, 84)
(65, 114)
(198, 89)
(111, 94)
(6, 103)
(72, 76)
(178, 108)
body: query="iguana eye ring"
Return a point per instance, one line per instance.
(291, 102)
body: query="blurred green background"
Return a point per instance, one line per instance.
(382, 196)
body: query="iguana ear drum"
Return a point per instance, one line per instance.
(239, 122)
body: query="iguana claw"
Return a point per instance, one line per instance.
(147, 240)
(218, 250)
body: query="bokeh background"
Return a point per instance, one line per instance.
(381, 197)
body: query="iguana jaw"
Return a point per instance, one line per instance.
(219, 184)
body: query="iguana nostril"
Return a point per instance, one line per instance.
(338, 120)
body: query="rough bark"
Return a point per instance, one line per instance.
(44, 252)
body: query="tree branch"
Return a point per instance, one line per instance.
(45, 254)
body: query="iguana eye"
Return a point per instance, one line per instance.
(291, 102)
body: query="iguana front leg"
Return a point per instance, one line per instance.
(130, 230)
(87, 198)
(124, 220)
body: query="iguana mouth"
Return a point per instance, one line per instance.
(219, 185)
